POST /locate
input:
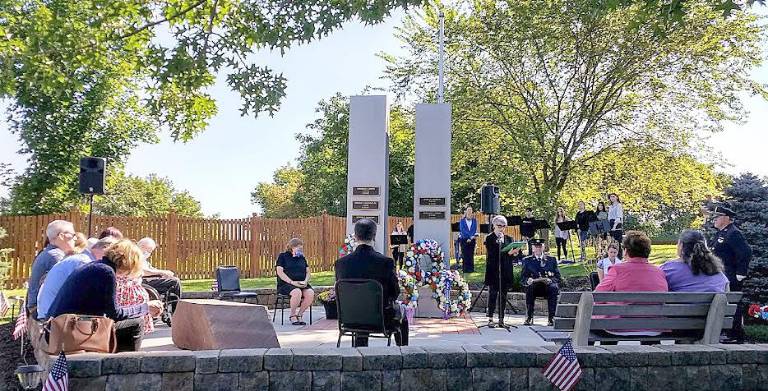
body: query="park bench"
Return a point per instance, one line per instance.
(688, 317)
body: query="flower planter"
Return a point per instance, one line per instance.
(330, 310)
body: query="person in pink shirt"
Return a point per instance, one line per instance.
(634, 274)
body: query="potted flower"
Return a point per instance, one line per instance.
(328, 299)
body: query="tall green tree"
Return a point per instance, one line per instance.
(319, 182)
(748, 197)
(555, 84)
(97, 77)
(278, 199)
(129, 195)
(661, 190)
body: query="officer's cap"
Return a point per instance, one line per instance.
(723, 211)
(536, 242)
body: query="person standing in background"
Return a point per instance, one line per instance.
(583, 218)
(616, 219)
(468, 239)
(398, 250)
(731, 247)
(561, 237)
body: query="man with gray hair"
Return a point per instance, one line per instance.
(163, 281)
(61, 238)
(366, 263)
(61, 271)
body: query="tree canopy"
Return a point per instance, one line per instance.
(540, 88)
(319, 182)
(97, 77)
(129, 195)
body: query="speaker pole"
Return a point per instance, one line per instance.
(90, 215)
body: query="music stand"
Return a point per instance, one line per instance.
(455, 227)
(527, 228)
(398, 239)
(485, 229)
(568, 226)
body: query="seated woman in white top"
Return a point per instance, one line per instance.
(605, 263)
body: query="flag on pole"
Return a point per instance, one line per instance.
(4, 307)
(21, 323)
(215, 286)
(58, 378)
(563, 369)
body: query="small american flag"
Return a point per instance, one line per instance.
(3, 305)
(21, 323)
(563, 369)
(58, 378)
(215, 286)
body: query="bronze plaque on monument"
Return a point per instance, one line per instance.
(431, 215)
(432, 201)
(355, 218)
(366, 191)
(365, 205)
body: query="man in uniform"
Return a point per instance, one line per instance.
(540, 278)
(731, 247)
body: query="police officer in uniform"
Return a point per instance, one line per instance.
(540, 278)
(732, 248)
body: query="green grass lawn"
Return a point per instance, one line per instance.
(659, 255)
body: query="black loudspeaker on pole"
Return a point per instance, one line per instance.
(489, 199)
(93, 171)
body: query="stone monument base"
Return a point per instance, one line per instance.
(217, 324)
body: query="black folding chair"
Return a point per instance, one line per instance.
(228, 280)
(360, 303)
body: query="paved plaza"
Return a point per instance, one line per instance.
(424, 332)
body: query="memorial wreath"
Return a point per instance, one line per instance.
(441, 281)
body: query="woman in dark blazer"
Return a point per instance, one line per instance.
(468, 239)
(508, 259)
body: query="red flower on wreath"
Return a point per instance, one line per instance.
(754, 311)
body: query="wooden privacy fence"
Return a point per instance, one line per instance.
(194, 247)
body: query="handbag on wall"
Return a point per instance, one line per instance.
(72, 333)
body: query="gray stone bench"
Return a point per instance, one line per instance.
(687, 317)
(490, 367)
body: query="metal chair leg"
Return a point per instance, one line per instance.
(274, 308)
(338, 342)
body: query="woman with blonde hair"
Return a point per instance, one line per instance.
(91, 290)
(293, 280)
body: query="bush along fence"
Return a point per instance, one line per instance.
(194, 247)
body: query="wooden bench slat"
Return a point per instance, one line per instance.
(685, 310)
(641, 323)
(648, 297)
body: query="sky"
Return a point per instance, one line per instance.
(221, 166)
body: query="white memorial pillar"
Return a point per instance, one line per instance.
(368, 164)
(432, 189)
(432, 179)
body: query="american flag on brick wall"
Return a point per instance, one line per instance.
(563, 369)
(58, 378)
(21, 323)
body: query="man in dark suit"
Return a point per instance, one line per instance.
(731, 246)
(540, 277)
(366, 263)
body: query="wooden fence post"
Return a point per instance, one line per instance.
(324, 239)
(255, 246)
(171, 242)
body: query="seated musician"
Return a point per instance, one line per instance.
(540, 278)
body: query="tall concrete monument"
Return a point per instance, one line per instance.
(432, 189)
(432, 181)
(368, 164)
